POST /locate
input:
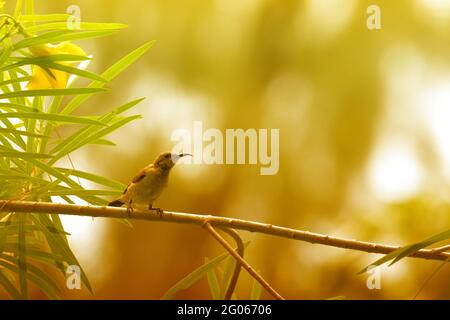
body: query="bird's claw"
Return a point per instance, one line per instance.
(129, 211)
(159, 210)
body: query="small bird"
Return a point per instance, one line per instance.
(149, 183)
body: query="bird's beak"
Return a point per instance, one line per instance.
(176, 157)
(181, 155)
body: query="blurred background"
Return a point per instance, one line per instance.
(364, 140)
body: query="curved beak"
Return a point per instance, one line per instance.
(181, 155)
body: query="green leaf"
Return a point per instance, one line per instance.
(58, 224)
(94, 178)
(44, 17)
(22, 176)
(193, 277)
(83, 26)
(62, 57)
(73, 141)
(9, 287)
(60, 246)
(51, 117)
(109, 75)
(50, 92)
(22, 256)
(6, 52)
(103, 142)
(11, 81)
(82, 192)
(29, 7)
(23, 155)
(101, 133)
(17, 139)
(76, 71)
(125, 107)
(4, 230)
(60, 36)
(36, 276)
(405, 251)
(53, 108)
(47, 257)
(15, 106)
(230, 264)
(24, 142)
(22, 133)
(423, 244)
(255, 294)
(213, 282)
(44, 60)
(18, 9)
(16, 87)
(57, 174)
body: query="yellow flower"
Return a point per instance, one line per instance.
(40, 78)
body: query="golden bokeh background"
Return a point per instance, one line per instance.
(364, 119)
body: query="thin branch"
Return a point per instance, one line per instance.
(239, 224)
(237, 268)
(242, 262)
(441, 249)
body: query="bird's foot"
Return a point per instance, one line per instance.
(160, 211)
(129, 211)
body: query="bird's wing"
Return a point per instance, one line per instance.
(138, 177)
(141, 174)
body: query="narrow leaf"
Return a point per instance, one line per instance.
(23, 155)
(255, 294)
(193, 277)
(50, 117)
(213, 282)
(109, 74)
(50, 92)
(9, 287)
(83, 26)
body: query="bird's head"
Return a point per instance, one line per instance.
(167, 160)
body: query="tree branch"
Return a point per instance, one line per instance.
(242, 262)
(237, 268)
(177, 217)
(441, 249)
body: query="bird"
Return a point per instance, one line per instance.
(148, 184)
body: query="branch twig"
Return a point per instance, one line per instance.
(237, 268)
(242, 262)
(177, 217)
(441, 249)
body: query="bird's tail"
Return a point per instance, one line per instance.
(116, 203)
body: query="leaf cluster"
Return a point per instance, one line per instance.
(31, 143)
